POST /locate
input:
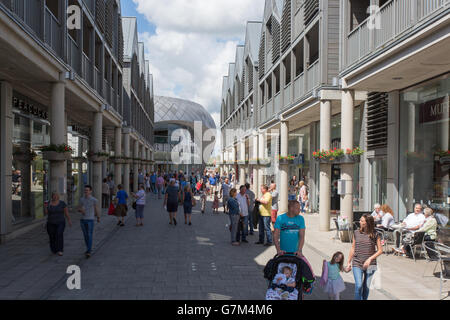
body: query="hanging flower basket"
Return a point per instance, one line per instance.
(267, 163)
(338, 156)
(349, 159)
(80, 160)
(98, 156)
(286, 160)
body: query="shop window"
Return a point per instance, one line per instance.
(277, 79)
(269, 87)
(313, 39)
(87, 35)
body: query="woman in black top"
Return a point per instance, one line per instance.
(171, 200)
(57, 213)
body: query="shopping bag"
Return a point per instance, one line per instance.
(376, 279)
(111, 209)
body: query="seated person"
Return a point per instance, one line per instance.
(413, 222)
(429, 227)
(377, 213)
(388, 218)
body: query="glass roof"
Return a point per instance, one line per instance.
(173, 109)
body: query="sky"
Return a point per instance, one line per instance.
(190, 44)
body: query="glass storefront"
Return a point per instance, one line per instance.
(30, 176)
(77, 169)
(424, 159)
(299, 143)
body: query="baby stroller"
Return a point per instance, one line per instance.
(301, 272)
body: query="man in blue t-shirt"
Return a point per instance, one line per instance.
(290, 229)
(212, 183)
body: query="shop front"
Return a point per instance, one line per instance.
(424, 155)
(30, 173)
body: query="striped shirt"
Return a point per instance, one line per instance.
(364, 249)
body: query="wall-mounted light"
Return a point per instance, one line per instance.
(70, 75)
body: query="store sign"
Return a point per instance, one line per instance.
(27, 106)
(434, 110)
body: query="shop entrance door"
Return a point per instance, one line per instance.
(335, 177)
(378, 181)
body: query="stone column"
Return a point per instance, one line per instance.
(118, 153)
(6, 129)
(126, 169)
(96, 147)
(135, 166)
(348, 98)
(283, 188)
(325, 169)
(261, 155)
(242, 166)
(58, 169)
(255, 185)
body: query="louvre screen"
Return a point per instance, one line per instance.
(311, 8)
(286, 26)
(262, 56)
(276, 42)
(377, 120)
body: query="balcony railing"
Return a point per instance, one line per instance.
(73, 55)
(90, 4)
(269, 109)
(277, 103)
(87, 70)
(98, 81)
(299, 87)
(395, 18)
(312, 79)
(107, 91)
(53, 32)
(287, 95)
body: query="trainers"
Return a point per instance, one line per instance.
(259, 242)
(244, 241)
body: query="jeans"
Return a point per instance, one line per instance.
(234, 222)
(159, 187)
(363, 279)
(105, 200)
(302, 206)
(264, 227)
(243, 231)
(292, 197)
(153, 187)
(88, 230)
(250, 222)
(56, 235)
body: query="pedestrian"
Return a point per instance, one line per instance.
(274, 194)
(112, 186)
(89, 210)
(147, 183)
(290, 230)
(216, 202)
(252, 197)
(265, 210)
(159, 185)
(171, 200)
(225, 194)
(140, 205)
(303, 196)
(234, 213)
(105, 194)
(187, 200)
(57, 213)
(292, 192)
(363, 255)
(121, 206)
(244, 203)
(203, 195)
(153, 179)
(332, 281)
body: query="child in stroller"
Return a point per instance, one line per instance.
(289, 278)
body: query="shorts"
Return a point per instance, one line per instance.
(274, 216)
(187, 208)
(225, 200)
(140, 211)
(121, 210)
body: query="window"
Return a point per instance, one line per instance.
(269, 87)
(358, 12)
(53, 6)
(287, 67)
(298, 52)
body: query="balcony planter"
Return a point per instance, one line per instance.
(289, 160)
(56, 156)
(120, 160)
(349, 159)
(25, 156)
(266, 163)
(79, 160)
(242, 163)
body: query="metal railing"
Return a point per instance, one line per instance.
(73, 55)
(87, 70)
(53, 32)
(107, 91)
(277, 103)
(98, 81)
(312, 76)
(396, 17)
(287, 95)
(299, 87)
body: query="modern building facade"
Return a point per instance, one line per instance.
(330, 75)
(64, 83)
(180, 129)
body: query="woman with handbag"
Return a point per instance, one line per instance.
(139, 206)
(188, 202)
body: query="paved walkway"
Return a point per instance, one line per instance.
(158, 261)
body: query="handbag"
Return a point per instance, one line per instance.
(134, 205)
(111, 209)
(194, 202)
